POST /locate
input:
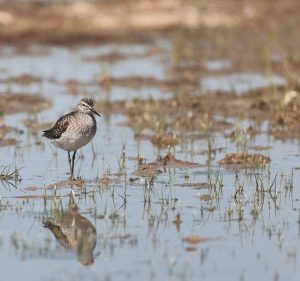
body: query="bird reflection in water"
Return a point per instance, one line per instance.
(74, 232)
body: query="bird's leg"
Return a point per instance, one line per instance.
(72, 165)
(69, 159)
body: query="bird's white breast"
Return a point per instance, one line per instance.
(78, 133)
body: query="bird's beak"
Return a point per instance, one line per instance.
(94, 111)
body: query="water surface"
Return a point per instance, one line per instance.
(140, 224)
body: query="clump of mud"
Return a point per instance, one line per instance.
(115, 56)
(106, 181)
(137, 82)
(164, 140)
(205, 197)
(66, 183)
(170, 161)
(4, 129)
(16, 103)
(195, 239)
(244, 160)
(148, 170)
(198, 186)
(7, 142)
(24, 79)
(161, 164)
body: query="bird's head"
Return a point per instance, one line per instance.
(86, 105)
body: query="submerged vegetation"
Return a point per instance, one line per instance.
(10, 177)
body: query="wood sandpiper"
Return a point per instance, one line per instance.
(74, 232)
(74, 130)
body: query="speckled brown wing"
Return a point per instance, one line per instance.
(59, 128)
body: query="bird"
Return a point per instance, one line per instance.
(74, 130)
(74, 232)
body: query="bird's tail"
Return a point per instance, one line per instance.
(46, 134)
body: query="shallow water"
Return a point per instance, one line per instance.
(250, 236)
(241, 82)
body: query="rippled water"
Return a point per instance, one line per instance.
(132, 228)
